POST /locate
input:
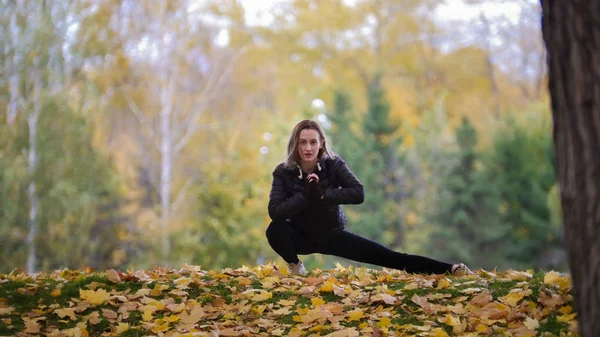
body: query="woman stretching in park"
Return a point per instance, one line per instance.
(304, 205)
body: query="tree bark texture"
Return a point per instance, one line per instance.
(571, 31)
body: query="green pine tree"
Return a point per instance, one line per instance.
(520, 167)
(380, 172)
(370, 146)
(342, 135)
(458, 202)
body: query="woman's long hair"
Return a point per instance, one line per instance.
(292, 159)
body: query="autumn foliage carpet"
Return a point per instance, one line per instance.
(267, 301)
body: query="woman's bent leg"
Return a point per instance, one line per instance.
(286, 242)
(354, 247)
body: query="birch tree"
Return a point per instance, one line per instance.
(10, 36)
(26, 35)
(39, 81)
(184, 74)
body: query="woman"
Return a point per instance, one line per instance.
(304, 204)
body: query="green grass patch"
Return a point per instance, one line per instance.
(552, 325)
(499, 289)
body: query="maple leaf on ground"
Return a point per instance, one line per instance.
(344, 333)
(94, 297)
(66, 312)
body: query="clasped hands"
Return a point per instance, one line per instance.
(312, 188)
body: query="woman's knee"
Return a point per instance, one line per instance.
(276, 229)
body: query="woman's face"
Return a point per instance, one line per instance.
(309, 144)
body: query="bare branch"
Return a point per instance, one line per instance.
(205, 96)
(182, 193)
(143, 121)
(191, 130)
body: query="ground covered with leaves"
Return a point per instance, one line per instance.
(267, 301)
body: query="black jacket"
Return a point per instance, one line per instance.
(291, 200)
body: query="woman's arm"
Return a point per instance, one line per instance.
(281, 207)
(351, 191)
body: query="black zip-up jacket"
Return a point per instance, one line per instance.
(318, 219)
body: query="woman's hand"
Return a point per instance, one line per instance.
(313, 181)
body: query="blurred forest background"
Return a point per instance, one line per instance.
(139, 133)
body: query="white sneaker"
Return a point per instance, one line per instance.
(297, 268)
(461, 270)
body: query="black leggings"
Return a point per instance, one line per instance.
(288, 243)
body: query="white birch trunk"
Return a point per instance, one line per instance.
(176, 124)
(32, 121)
(12, 107)
(166, 164)
(12, 68)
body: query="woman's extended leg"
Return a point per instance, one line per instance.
(354, 247)
(288, 243)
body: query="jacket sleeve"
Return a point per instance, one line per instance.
(351, 191)
(281, 207)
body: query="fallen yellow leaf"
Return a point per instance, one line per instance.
(172, 318)
(411, 286)
(160, 328)
(351, 332)
(277, 332)
(147, 316)
(70, 312)
(554, 278)
(551, 277)
(481, 328)
(326, 287)
(567, 309)
(439, 332)
(384, 322)
(512, 299)
(282, 312)
(317, 301)
(517, 275)
(443, 283)
(122, 327)
(94, 297)
(566, 318)
(258, 295)
(387, 299)
(193, 317)
(287, 302)
(244, 281)
(356, 315)
(531, 323)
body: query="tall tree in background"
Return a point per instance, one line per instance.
(458, 201)
(14, 179)
(71, 188)
(186, 71)
(343, 128)
(571, 30)
(379, 170)
(519, 166)
(35, 65)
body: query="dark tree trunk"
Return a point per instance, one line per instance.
(571, 30)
